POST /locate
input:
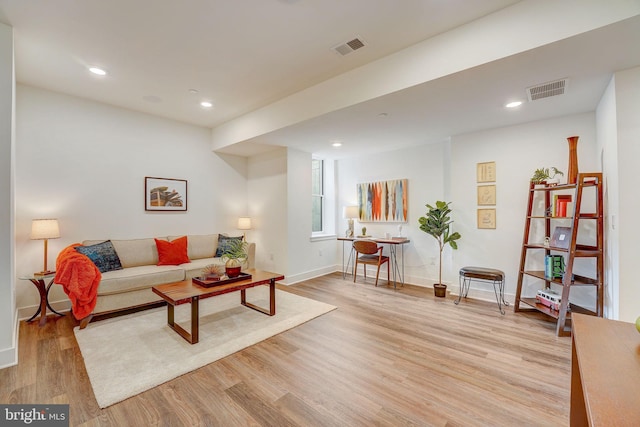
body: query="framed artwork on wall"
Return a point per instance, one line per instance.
(486, 218)
(486, 195)
(165, 194)
(486, 172)
(383, 201)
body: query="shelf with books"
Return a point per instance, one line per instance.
(563, 208)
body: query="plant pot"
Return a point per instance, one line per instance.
(440, 290)
(232, 268)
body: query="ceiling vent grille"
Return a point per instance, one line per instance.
(350, 46)
(548, 89)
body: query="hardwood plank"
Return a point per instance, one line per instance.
(385, 357)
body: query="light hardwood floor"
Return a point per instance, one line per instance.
(383, 358)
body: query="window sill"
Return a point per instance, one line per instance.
(321, 237)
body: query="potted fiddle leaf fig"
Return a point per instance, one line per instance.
(437, 223)
(234, 254)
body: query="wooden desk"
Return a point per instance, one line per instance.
(393, 243)
(605, 372)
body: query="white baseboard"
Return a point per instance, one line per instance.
(9, 356)
(452, 288)
(290, 280)
(61, 306)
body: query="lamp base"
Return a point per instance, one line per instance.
(43, 273)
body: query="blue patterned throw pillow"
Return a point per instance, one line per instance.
(223, 244)
(103, 255)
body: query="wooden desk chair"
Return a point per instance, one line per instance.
(368, 252)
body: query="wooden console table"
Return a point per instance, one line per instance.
(605, 372)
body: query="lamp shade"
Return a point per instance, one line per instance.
(350, 212)
(244, 223)
(44, 229)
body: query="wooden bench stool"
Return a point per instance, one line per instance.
(467, 274)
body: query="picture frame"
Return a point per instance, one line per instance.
(165, 194)
(561, 238)
(383, 201)
(486, 195)
(486, 172)
(486, 218)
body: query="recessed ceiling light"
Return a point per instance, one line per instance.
(336, 144)
(514, 104)
(98, 71)
(206, 104)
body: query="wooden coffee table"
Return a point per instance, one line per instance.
(189, 292)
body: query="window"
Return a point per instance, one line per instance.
(317, 196)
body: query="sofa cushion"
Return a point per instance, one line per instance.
(223, 243)
(133, 252)
(141, 277)
(172, 253)
(200, 246)
(103, 255)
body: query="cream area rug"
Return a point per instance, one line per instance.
(127, 355)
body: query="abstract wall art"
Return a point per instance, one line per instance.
(383, 201)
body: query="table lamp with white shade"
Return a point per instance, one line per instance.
(244, 223)
(350, 213)
(44, 229)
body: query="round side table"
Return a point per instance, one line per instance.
(43, 289)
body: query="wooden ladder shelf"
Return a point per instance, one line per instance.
(580, 226)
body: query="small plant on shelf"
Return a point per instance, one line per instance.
(543, 175)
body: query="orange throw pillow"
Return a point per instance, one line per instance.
(172, 253)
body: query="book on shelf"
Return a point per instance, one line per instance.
(561, 205)
(553, 266)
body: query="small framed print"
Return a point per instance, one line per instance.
(561, 238)
(487, 218)
(486, 195)
(165, 194)
(486, 172)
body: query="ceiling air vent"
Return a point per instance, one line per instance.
(348, 47)
(548, 89)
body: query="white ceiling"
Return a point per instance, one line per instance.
(243, 55)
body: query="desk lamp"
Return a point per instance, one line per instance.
(44, 229)
(350, 213)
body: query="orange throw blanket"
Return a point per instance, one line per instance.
(79, 277)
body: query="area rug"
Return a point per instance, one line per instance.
(127, 355)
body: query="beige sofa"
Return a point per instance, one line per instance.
(131, 287)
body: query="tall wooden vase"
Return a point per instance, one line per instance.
(572, 173)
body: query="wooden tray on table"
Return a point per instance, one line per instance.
(209, 282)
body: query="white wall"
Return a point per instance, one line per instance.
(8, 350)
(267, 195)
(84, 163)
(628, 110)
(447, 172)
(517, 151)
(424, 167)
(279, 198)
(308, 257)
(608, 145)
